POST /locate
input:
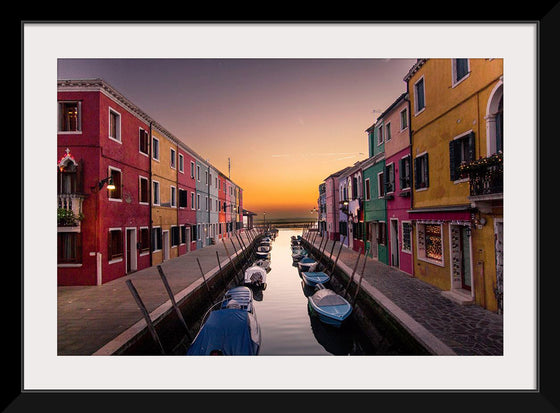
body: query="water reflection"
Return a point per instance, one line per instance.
(287, 325)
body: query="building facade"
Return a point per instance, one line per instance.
(127, 189)
(397, 179)
(457, 207)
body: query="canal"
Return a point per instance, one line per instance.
(287, 327)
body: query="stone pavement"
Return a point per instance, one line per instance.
(447, 326)
(90, 319)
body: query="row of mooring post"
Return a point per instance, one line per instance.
(311, 236)
(146, 315)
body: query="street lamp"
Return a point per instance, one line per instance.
(100, 184)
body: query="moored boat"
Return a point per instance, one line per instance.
(330, 307)
(263, 263)
(255, 275)
(314, 278)
(230, 328)
(307, 264)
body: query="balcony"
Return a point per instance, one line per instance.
(69, 209)
(486, 179)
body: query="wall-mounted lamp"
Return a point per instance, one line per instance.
(100, 184)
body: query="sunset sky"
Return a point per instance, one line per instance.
(285, 124)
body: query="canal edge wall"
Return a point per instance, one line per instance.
(193, 302)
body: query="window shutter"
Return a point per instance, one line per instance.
(401, 173)
(452, 160)
(80, 177)
(416, 173)
(426, 171)
(471, 147)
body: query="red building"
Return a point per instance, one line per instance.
(102, 139)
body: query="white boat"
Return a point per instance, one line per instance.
(255, 276)
(307, 264)
(263, 263)
(264, 248)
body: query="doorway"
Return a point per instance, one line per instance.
(394, 242)
(131, 250)
(165, 245)
(461, 258)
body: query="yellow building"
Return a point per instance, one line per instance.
(457, 201)
(165, 230)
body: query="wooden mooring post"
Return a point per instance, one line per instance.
(173, 302)
(361, 276)
(146, 315)
(205, 282)
(353, 272)
(338, 254)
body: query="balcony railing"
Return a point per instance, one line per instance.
(486, 175)
(72, 205)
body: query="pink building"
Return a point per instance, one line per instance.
(398, 173)
(186, 187)
(332, 202)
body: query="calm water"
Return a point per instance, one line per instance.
(287, 327)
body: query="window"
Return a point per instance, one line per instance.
(183, 234)
(69, 117)
(155, 191)
(388, 132)
(194, 233)
(155, 149)
(380, 185)
(461, 149)
(406, 237)
(404, 172)
(367, 195)
(183, 196)
(460, 70)
(157, 241)
(174, 236)
(143, 194)
(181, 163)
(143, 142)
(192, 169)
(421, 172)
(198, 201)
(419, 101)
(144, 240)
(390, 178)
(69, 247)
(173, 196)
(173, 158)
(114, 125)
(115, 245)
(404, 119)
(380, 135)
(115, 194)
(430, 246)
(192, 200)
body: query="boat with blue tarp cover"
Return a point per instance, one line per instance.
(230, 328)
